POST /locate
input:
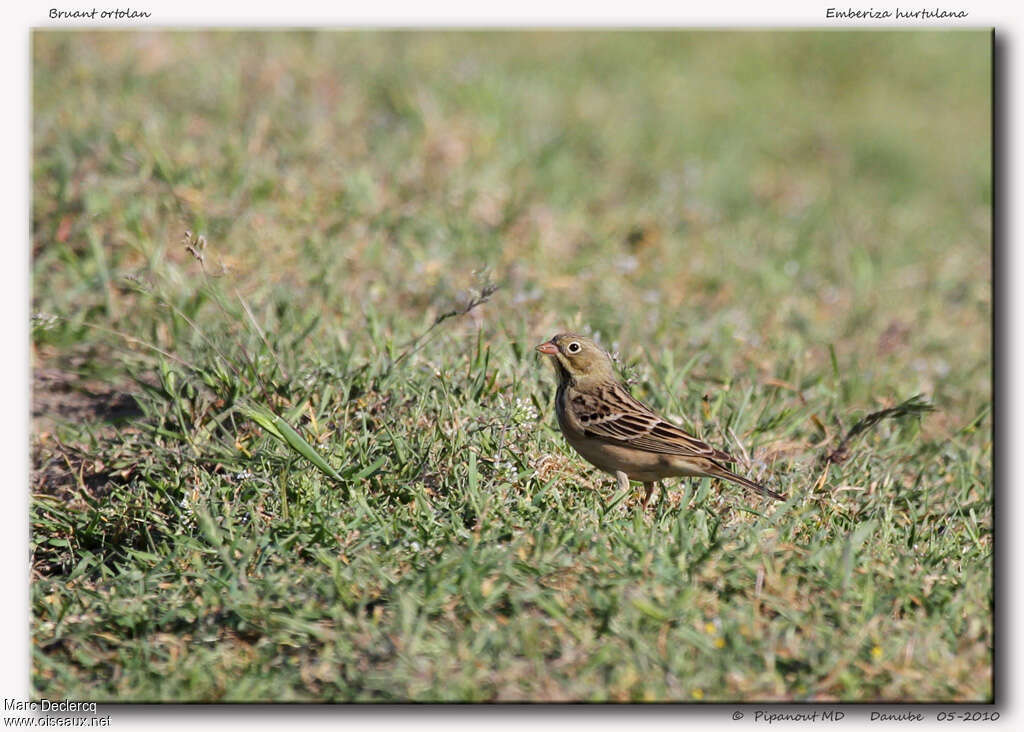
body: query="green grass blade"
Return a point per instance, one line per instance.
(284, 432)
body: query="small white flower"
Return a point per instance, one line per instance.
(626, 264)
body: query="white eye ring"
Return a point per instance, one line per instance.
(573, 347)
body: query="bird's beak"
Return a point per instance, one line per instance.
(548, 348)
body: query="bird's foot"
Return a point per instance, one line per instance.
(647, 495)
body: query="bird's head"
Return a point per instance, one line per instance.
(577, 358)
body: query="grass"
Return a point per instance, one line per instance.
(266, 466)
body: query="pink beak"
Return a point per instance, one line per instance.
(548, 348)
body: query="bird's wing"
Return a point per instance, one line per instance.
(611, 413)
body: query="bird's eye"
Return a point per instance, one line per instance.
(573, 347)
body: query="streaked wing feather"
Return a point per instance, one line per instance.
(613, 414)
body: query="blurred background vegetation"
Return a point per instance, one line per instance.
(776, 232)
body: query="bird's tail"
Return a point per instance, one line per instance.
(747, 483)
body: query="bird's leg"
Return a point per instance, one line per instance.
(622, 479)
(647, 496)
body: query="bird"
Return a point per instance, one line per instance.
(620, 435)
